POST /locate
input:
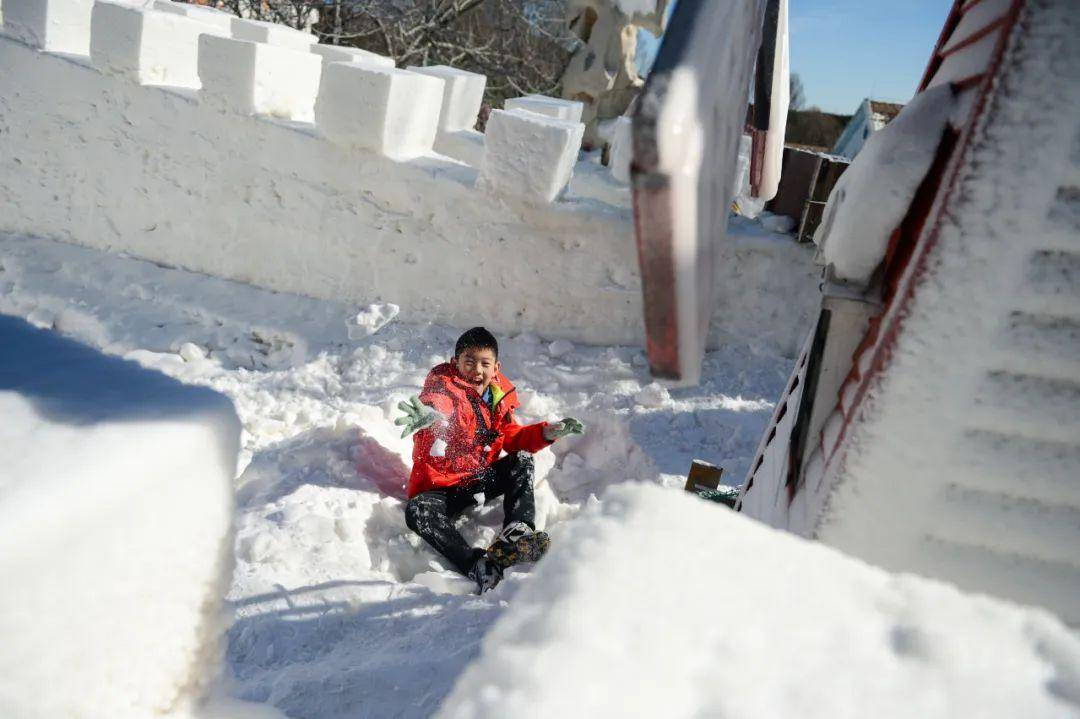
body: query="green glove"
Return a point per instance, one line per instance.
(417, 416)
(562, 428)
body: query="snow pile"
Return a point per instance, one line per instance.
(874, 193)
(116, 507)
(660, 604)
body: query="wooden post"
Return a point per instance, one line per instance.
(703, 476)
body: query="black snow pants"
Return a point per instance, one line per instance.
(431, 514)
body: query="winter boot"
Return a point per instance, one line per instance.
(518, 543)
(486, 573)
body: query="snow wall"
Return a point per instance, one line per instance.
(116, 508)
(659, 604)
(246, 152)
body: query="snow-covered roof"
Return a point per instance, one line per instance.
(884, 112)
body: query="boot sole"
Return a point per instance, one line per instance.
(526, 549)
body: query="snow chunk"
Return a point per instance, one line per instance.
(191, 352)
(52, 25)
(272, 34)
(636, 7)
(919, 647)
(446, 582)
(390, 111)
(622, 148)
(560, 347)
(341, 53)
(371, 319)
(528, 155)
(256, 78)
(151, 48)
(781, 224)
(462, 95)
(652, 395)
(203, 13)
(569, 110)
(874, 193)
(463, 145)
(116, 504)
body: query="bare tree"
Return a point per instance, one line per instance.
(521, 45)
(797, 96)
(299, 14)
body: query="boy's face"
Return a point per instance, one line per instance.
(477, 366)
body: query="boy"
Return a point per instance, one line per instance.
(464, 419)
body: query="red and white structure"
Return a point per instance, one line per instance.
(932, 423)
(687, 128)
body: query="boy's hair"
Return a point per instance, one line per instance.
(477, 338)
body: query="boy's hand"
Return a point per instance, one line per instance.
(417, 416)
(562, 428)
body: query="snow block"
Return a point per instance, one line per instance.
(390, 111)
(256, 78)
(462, 95)
(551, 106)
(272, 34)
(152, 48)
(528, 155)
(622, 148)
(53, 25)
(917, 647)
(116, 507)
(340, 53)
(211, 16)
(464, 146)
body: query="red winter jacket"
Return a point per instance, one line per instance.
(475, 435)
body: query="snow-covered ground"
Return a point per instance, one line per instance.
(339, 612)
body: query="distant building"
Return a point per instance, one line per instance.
(871, 116)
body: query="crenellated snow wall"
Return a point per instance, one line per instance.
(183, 135)
(244, 154)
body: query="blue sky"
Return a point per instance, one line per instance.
(845, 50)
